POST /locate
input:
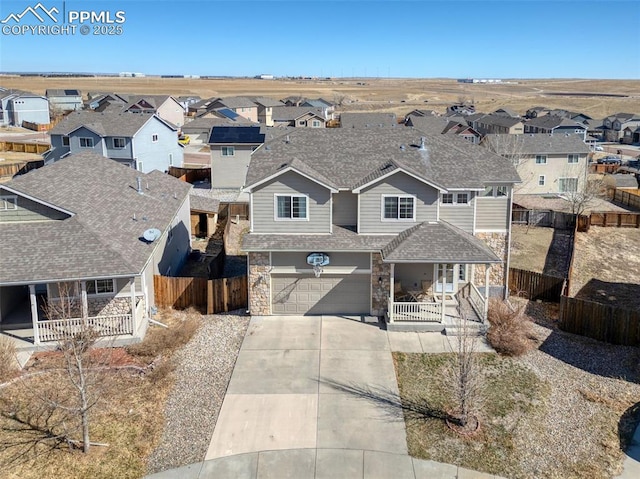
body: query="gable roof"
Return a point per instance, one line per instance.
(266, 102)
(55, 92)
(368, 120)
(292, 113)
(236, 102)
(498, 120)
(346, 156)
(447, 244)
(102, 239)
(531, 144)
(552, 121)
(154, 101)
(106, 123)
(432, 125)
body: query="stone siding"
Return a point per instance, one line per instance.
(108, 306)
(259, 284)
(498, 242)
(380, 291)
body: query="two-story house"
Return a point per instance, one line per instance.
(614, 127)
(231, 149)
(64, 100)
(241, 105)
(547, 164)
(141, 141)
(18, 107)
(497, 124)
(555, 125)
(98, 227)
(298, 117)
(164, 106)
(382, 222)
(265, 109)
(368, 120)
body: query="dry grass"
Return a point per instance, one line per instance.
(529, 247)
(8, 364)
(510, 391)
(511, 331)
(129, 416)
(377, 94)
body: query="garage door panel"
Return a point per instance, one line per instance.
(306, 294)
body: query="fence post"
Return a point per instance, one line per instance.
(210, 296)
(225, 294)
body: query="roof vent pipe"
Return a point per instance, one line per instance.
(139, 183)
(423, 145)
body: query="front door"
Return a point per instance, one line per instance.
(444, 278)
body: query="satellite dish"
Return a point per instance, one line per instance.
(151, 234)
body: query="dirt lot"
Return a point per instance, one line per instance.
(543, 250)
(607, 266)
(396, 95)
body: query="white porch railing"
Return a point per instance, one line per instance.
(414, 312)
(477, 300)
(58, 329)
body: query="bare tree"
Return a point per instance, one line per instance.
(506, 145)
(464, 376)
(584, 195)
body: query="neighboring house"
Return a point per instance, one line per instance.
(187, 101)
(165, 106)
(535, 112)
(463, 131)
(613, 126)
(555, 125)
(368, 120)
(65, 100)
(546, 164)
(497, 124)
(82, 222)
(141, 141)
(461, 110)
(435, 125)
(231, 149)
(381, 210)
(630, 135)
(265, 109)
(241, 105)
(298, 116)
(506, 112)
(327, 107)
(420, 113)
(17, 107)
(199, 129)
(103, 101)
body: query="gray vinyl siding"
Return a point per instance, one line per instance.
(31, 109)
(291, 183)
(155, 155)
(230, 171)
(28, 210)
(119, 153)
(492, 214)
(458, 215)
(82, 132)
(336, 259)
(398, 184)
(345, 209)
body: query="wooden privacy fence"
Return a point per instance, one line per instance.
(600, 321)
(233, 210)
(554, 219)
(19, 168)
(24, 147)
(535, 285)
(208, 295)
(190, 175)
(629, 198)
(616, 219)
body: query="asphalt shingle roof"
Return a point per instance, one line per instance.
(106, 123)
(267, 102)
(432, 125)
(553, 121)
(102, 238)
(236, 102)
(447, 244)
(536, 143)
(368, 120)
(290, 113)
(346, 156)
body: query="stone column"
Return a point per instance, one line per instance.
(259, 283)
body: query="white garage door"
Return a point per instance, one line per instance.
(328, 294)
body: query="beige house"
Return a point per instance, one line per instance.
(498, 124)
(241, 105)
(547, 164)
(265, 109)
(166, 107)
(298, 117)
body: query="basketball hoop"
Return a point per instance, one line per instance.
(317, 270)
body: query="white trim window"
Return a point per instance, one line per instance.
(8, 203)
(86, 142)
(154, 138)
(97, 287)
(567, 185)
(541, 159)
(541, 180)
(572, 159)
(501, 191)
(291, 207)
(119, 143)
(228, 151)
(454, 199)
(398, 208)
(315, 124)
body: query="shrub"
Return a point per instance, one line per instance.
(510, 329)
(8, 363)
(159, 340)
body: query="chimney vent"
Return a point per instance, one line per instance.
(423, 145)
(139, 185)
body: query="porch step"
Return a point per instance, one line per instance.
(473, 329)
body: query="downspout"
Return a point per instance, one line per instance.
(508, 245)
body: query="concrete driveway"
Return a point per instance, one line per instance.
(311, 382)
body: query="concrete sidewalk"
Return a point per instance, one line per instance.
(315, 397)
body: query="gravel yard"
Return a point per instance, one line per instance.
(593, 385)
(203, 371)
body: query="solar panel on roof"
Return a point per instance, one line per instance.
(71, 92)
(228, 113)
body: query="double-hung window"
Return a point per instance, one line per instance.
(572, 158)
(568, 185)
(399, 208)
(291, 207)
(118, 143)
(100, 286)
(86, 142)
(228, 151)
(541, 159)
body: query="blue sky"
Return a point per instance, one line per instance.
(422, 39)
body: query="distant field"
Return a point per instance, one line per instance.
(396, 95)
